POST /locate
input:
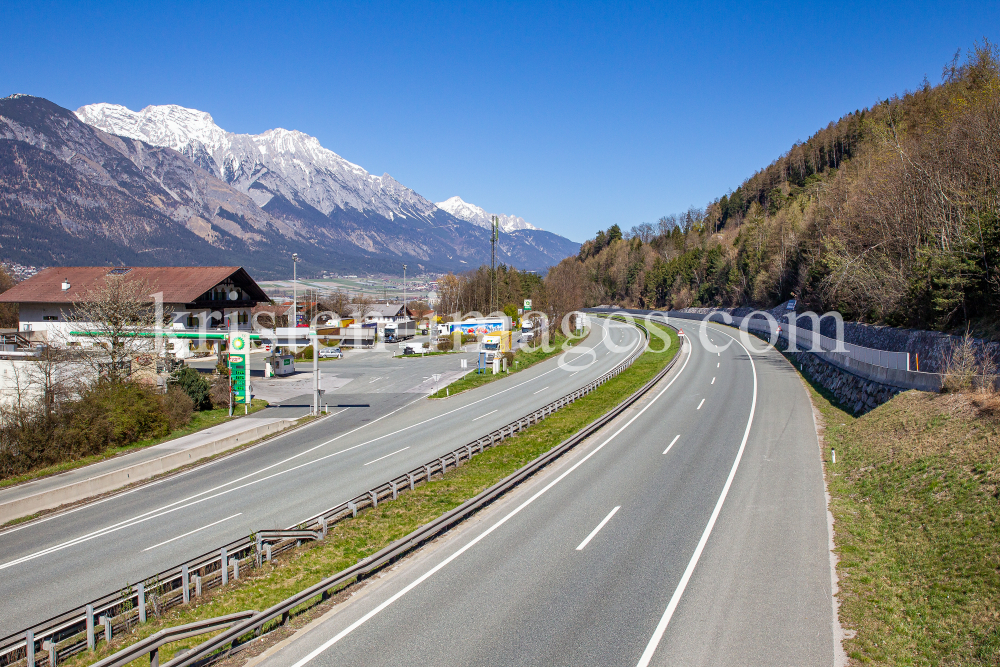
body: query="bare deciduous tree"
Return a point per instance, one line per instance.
(120, 317)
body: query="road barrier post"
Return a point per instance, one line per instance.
(224, 566)
(141, 601)
(90, 627)
(29, 647)
(185, 584)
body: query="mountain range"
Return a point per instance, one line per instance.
(167, 185)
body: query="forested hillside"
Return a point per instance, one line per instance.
(888, 215)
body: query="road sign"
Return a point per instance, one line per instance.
(239, 365)
(527, 305)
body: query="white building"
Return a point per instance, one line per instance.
(211, 298)
(379, 314)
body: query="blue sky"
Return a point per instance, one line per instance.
(574, 116)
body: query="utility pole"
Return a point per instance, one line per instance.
(404, 289)
(494, 237)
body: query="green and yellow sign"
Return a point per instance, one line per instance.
(239, 365)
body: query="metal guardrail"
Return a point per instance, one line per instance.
(74, 631)
(151, 644)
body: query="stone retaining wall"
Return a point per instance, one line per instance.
(859, 395)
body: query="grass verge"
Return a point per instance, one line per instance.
(199, 422)
(558, 344)
(373, 529)
(914, 495)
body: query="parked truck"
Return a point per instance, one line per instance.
(495, 344)
(397, 331)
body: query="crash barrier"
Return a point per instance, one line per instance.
(72, 632)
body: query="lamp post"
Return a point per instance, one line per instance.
(295, 284)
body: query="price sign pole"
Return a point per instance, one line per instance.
(239, 368)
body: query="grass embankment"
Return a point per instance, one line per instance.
(199, 422)
(914, 495)
(522, 359)
(373, 529)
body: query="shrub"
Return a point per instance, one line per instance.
(178, 406)
(194, 384)
(219, 393)
(444, 344)
(111, 415)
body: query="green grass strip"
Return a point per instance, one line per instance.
(914, 495)
(373, 529)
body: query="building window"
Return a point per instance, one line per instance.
(50, 318)
(193, 322)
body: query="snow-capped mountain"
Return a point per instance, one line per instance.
(166, 184)
(471, 213)
(275, 163)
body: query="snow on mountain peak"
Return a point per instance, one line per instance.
(276, 162)
(166, 125)
(471, 213)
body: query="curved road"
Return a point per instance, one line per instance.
(691, 531)
(64, 561)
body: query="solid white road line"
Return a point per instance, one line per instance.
(700, 404)
(675, 599)
(486, 415)
(434, 570)
(672, 442)
(598, 529)
(214, 523)
(713, 381)
(541, 390)
(387, 455)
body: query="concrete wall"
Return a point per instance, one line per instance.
(117, 479)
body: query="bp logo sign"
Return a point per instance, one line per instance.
(238, 344)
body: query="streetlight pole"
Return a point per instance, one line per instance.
(404, 289)
(295, 285)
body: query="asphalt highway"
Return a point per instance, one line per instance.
(57, 563)
(691, 531)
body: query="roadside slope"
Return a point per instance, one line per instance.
(915, 499)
